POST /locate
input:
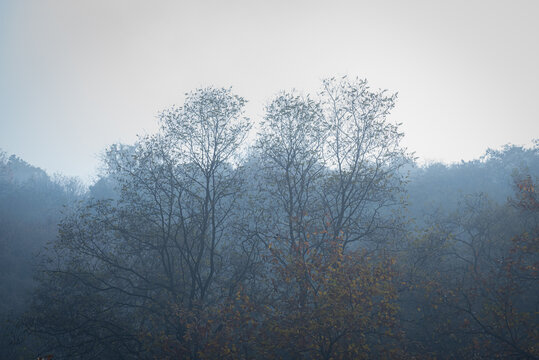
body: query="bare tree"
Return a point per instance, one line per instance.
(157, 252)
(364, 156)
(290, 145)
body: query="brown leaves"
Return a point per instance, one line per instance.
(329, 301)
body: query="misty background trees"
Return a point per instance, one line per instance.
(322, 240)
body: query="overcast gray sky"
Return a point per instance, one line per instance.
(76, 76)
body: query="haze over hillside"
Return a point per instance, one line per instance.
(252, 179)
(78, 76)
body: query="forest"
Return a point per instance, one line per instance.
(320, 237)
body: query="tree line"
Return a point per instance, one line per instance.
(320, 241)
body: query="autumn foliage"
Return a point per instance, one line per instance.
(329, 304)
(303, 250)
(322, 303)
(482, 303)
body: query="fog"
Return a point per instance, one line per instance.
(255, 180)
(78, 76)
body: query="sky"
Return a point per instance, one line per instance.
(78, 76)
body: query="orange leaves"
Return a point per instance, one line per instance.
(221, 331)
(318, 302)
(328, 299)
(527, 195)
(491, 295)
